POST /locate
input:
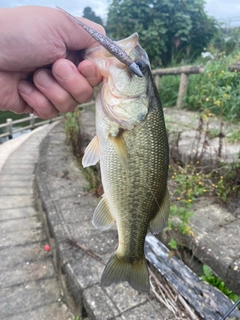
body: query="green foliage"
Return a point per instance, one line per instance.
(73, 132)
(217, 89)
(89, 14)
(234, 136)
(218, 283)
(168, 90)
(168, 29)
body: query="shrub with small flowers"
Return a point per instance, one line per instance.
(217, 89)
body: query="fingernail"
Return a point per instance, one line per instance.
(89, 72)
(43, 79)
(64, 70)
(25, 87)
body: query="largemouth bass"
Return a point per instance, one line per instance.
(131, 144)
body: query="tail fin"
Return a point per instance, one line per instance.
(118, 270)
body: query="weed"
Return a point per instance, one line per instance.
(218, 283)
(192, 177)
(77, 140)
(234, 136)
(73, 132)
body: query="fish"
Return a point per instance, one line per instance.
(132, 146)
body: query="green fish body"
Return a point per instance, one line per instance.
(131, 144)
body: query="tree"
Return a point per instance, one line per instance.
(88, 13)
(168, 29)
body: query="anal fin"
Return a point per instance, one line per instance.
(102, 217)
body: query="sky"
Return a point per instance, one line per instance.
(227, 10)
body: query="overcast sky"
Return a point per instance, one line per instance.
(229, 10)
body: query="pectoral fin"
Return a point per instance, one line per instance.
(91, 154)
(160, 220)
(120, 148)
(102, 217)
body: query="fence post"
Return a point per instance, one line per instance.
(9, 122)
(182, 90)
(32, 121)
(157, 81)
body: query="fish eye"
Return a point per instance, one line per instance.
(141, 64)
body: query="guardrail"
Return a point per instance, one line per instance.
(184, 71)
(10, 130)
(9, 125)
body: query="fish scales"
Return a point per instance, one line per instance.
(142, 187)
(132, 146)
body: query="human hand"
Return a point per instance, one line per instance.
(41, 69)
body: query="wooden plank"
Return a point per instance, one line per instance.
(208, 301)
(178, 70)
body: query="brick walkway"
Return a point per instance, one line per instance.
(28, 283)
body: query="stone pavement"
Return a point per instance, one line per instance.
(65, 198)
(69, 208)
(34, 283)
(29, 286)
(216, 229)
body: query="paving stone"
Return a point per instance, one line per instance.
(148, 311)
(8, 202)
(54, 311)
(12, 256)
(28, 223)
(26, 272)
(20, 238)
(10, 191)
(19, 169)
(17, 177)
(17, 213)
(207, 217)
(22, 298)
(86, 271)
(87, 235)
(16, 183)
(98, 305)
(118, 293)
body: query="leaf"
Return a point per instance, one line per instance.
(207, 271)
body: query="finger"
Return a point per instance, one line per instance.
(91, 72)
(41, 106)
(59, 97)
(68, 76)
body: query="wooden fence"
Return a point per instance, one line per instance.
(184, 71)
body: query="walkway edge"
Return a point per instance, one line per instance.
(8, 147)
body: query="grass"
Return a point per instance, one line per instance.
(217, 282)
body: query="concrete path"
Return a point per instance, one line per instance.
(29, 286)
